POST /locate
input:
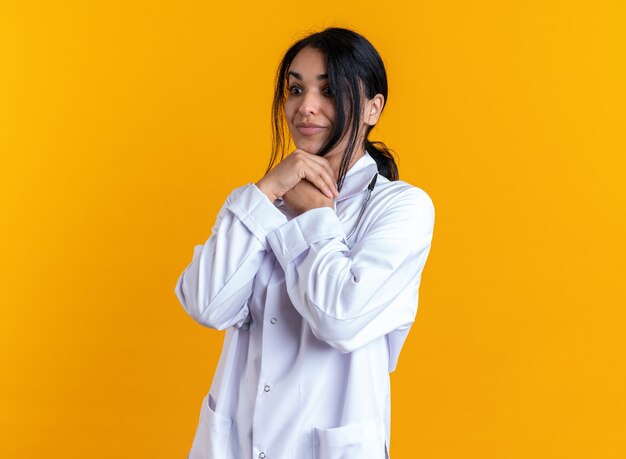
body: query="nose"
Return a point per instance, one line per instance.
(309, 104)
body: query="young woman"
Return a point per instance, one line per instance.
(313, 270)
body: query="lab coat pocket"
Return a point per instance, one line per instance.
(212, 439)
(365, 440)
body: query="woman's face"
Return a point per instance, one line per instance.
(310, 106)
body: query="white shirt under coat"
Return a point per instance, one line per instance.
(314, 322)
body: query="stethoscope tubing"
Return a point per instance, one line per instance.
(370, 188)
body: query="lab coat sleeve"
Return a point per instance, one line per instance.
(215, 287)
(352, 297)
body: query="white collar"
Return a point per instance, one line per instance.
(358, 177)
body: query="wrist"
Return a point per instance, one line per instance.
(261, 185)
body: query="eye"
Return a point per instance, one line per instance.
(294, 90)
(327, 91)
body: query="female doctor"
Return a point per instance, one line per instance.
(313, 271)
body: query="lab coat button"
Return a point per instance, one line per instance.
(273, 320)
(266, 389)
(262, 454)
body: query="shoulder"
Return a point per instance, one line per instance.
(404, 196)
(401, 211)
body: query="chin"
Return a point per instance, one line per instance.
(308, 145)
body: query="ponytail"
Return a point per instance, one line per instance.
(384, 159)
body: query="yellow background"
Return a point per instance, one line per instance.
(124, 125)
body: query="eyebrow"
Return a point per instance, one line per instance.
(323, 76)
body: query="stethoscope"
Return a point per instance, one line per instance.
(370, 188)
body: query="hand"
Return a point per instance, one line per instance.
(306, 196)
(297, 167)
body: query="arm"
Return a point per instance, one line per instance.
(352, 297)
(216, 286)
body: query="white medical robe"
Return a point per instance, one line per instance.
(314, 322)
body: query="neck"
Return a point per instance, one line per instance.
(335, 161)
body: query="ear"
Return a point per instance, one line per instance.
(373, 109)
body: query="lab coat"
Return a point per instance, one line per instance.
(314, 322)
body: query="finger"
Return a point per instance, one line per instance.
(321, 161)
(320, 177)
(321, 181)
(322, 168)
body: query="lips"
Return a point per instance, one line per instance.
(309, 128)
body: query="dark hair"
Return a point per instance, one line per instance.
(354, 67)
